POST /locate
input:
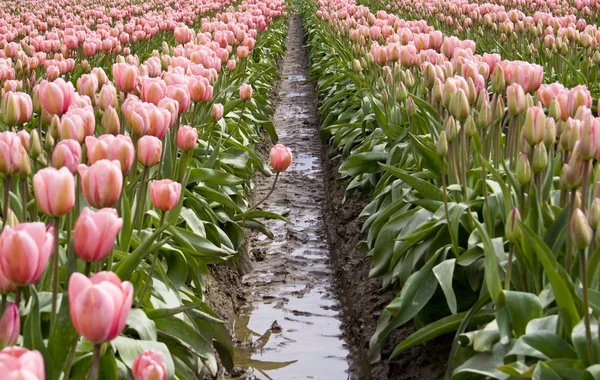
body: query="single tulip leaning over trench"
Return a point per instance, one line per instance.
(281, 159)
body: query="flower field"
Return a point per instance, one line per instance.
(336, 189)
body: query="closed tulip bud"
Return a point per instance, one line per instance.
(409, 79)
(216, 113)
(149, 366)
(540, 158)
(99, 305)
(165, 194)
(529, 101)
(67, 153)
(95, 233)
(512, 230)
(523, 170)
(24, 252)
(54, 191)
(470, 127)
(534, 128)
(515, 99)
(554, 109)
(429, 76)
(356, 65)
(550, 134)
(451, 129)
(101, 183)
(575, 170)
(186, 138)
(562, 182)
(574, 134)
(579, 230)
(245, 92)
(459, 105)
(594, 214)
(498, 82)
(411, 108)
(472, 92)
(384, 97)
(10, 325)
(498, 110)
(10, 109)
(401, 92)
(110, 121)
(588, 143)
(149, 150)
(484, 119)
(11, 219)
(436, 91)
(49, 141)
(36, 102)
(281, 157)
(442, 145)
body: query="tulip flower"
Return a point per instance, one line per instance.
(24, 252)
(101, 183)
(19, 363)
(110, 121)
(67, 153)
(99, 305)
(107, 97)
(181, 94)
(534, 128)
(125, 76)
(149, 150)
(153, 90)
(245, 92)
(165, 194)
(95, 233)
(186, 138)
(11, 153)
(56, 96)
(149, 366)
(10, 326)
(54, 191)
(216, 112)
(281, 157)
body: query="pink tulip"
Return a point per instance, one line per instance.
(125, 76)
(67, 153)
(54, 191)
(158, 122)
(183, 34)
(24, 252)
(101, 183)
(216, 113)
(181, 94)
(186, 138)
(165, 194)
(18, 363)
(200, 89)
(10, 325)
(12, 153)
(281, 157)
(6, 285)
(87, 84)
(72, 127)
(153, 90)
(149, 150)
(56, 96)
(95, 233)
(245, 92)
(107, 97)
(99, 305)
(149, 366)
(578, 96)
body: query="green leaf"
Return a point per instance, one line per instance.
(543, 372)
(361, 163)
(32, 331)
(591, 373)
(522, 308)
(424, 188)
(444, 272)
(492, 276)
(543, 345)
(213, 177)
(125, 268)
(142, 324)
(108, 366)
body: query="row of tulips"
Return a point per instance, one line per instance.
(565, 43)
(484, 180)
(126, 176)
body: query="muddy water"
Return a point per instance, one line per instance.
(289, 326)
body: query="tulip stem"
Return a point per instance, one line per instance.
(511, 252)
(18, 296)
(141, 198)
(55, 272)
(7, 184)
(154, 260)
(24, 189)
(88, 268)
(96, 363)
(268, 195)
(586, 305)
(238, 123)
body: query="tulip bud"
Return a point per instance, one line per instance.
(11, 219)
(411, 108)
(540, 158)
(10, 109)
(186, 138)
(437, 91)
(451, 128)
(498, 110)
(515, 99)
(165, 194)
(216, 112)
(554, 109)
(149, 150)
(356, 65)
(442, 145)
(54, 191)
(470, 128)
(523, 170)
(401, 92)
(513, 227)
(246, 92)
(459, 105)
(49, 141)
(384, 97)
(498, 82)
(534, 128)
(110, 121)
(9, 326)
(594, 214)
(579, 230)
(550, 134)
(485, 116)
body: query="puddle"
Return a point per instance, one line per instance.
(289, 326)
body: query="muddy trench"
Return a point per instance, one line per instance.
(308, 308)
